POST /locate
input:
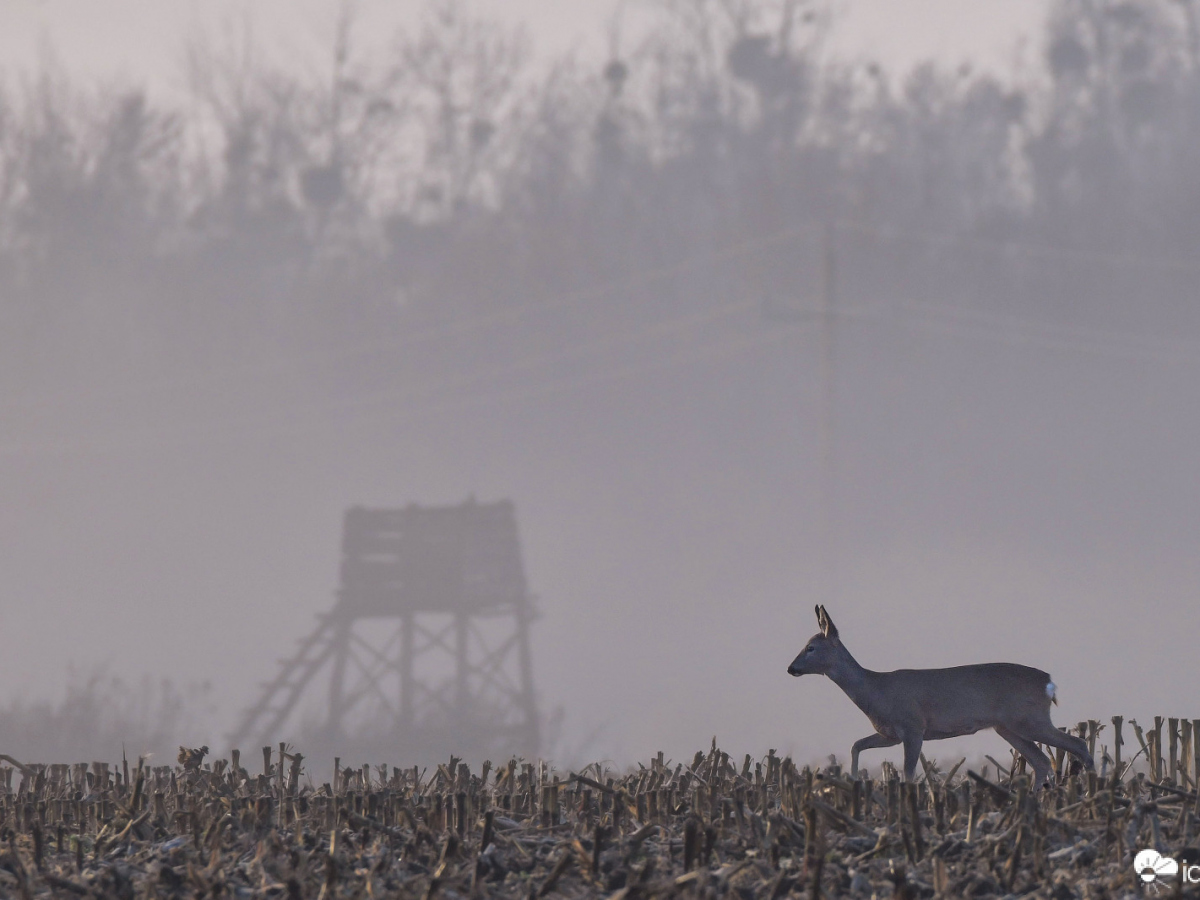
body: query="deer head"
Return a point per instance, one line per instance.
(822, 651)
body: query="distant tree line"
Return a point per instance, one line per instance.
(100, 714)
(278, 215)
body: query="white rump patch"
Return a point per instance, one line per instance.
(1050, 689)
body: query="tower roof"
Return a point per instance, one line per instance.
(426, 559)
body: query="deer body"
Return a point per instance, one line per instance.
(910, 706)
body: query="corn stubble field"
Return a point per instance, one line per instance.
(713, 826)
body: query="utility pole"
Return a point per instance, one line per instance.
(825, 316)
(828, 503)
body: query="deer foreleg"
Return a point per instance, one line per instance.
(870, 742)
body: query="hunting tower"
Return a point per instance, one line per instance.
(425, 652)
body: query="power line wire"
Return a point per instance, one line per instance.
(445, 331)
(516, 314)
(437, 396)
(433, 391)
(1070, 338)
(1047, 252)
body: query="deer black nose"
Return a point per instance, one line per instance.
(792, 670)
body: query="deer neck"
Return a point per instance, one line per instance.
(853, 679)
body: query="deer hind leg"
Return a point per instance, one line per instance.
(1029, 750)
(1048, 734)
(912, 753)
(870, 742)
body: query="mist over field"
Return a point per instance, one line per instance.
(739, 324)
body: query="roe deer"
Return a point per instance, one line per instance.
(909, 706)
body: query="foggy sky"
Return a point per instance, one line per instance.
(1027, 498)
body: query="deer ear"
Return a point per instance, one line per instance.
(820, 617)
(827, 626)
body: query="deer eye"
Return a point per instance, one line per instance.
(810, 649)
